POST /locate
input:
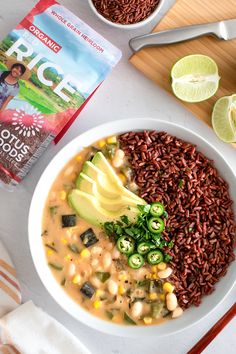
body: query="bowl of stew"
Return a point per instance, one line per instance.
(132, 230)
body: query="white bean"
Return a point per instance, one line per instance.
(68, 171)
(112, 287)
(96, 250)
(177, 312)
(118, 158)
(164, 273)
(106, 260)
(137, 309)
(95, 282)
(120, 153)
(115, 253)
(94, 262)
(171, 302)
(71, 270)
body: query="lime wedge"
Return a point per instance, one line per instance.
(195, 78)
(224, 118)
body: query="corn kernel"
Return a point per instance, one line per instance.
(112, 140)
(154, 268)
(67, 257)
(154, 276)
(123, 276)
(85, 253)
(99, 293)
(162, 297)
(76, 279)
(64, 241)
(168, 288)
(78, 158)
(147, 320)
(161, 266)
(49, 252)
(62, 195)
(102, 143)
(122, 177)
(149, 276)
(97, 304)
(153, 296)
(121, 290)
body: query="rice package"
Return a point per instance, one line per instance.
(50, 65)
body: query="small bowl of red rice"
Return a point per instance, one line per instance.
(126, 14)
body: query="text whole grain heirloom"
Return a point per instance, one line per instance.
(50, 65)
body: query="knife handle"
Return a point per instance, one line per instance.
(174, 36)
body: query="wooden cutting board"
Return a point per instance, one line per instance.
(156, 62)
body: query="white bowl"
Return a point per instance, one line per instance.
(133, 25)
(193, 314)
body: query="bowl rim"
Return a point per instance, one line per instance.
(130, 26)
(50, 283)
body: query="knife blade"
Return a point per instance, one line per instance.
(225, 30)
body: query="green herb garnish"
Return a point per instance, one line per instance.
(181, 182)
(168, 258)
(140, 230)
(56, 266)
(51, 247)
(53, 210)
(129, 319)
(73, 248)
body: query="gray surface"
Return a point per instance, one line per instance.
(126, 93)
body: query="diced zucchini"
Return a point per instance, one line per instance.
(88, 238)
(87, 290)
(68, 220)
(156, 309)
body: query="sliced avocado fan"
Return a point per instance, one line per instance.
(100, 195)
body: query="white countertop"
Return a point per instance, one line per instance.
(125, 94)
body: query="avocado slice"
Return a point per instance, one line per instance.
(88, 185)
(104, 186)
(103, 165)
(88, 208)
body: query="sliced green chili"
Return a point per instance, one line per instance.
(157, 209)
(155, 257)
(125, 244)
(156, 225)
(136, 261)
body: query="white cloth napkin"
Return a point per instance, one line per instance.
(10, 295)
(32, 331)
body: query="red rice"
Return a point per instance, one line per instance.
(125, 11)
(200, 221)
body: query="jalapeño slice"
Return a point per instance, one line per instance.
(125, 244)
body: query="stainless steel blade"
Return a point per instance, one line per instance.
(228, 29)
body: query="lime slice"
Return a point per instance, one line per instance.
(224, 118)
(195, 78)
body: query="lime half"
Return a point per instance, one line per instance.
(195, 78)
(224, 118)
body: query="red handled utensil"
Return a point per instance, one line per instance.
(212, 333)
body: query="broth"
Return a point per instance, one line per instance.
(123, 297)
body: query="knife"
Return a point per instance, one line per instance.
(223, 30)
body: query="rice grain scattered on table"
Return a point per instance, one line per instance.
(200, 215)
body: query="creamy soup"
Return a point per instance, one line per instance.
(86, 261)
